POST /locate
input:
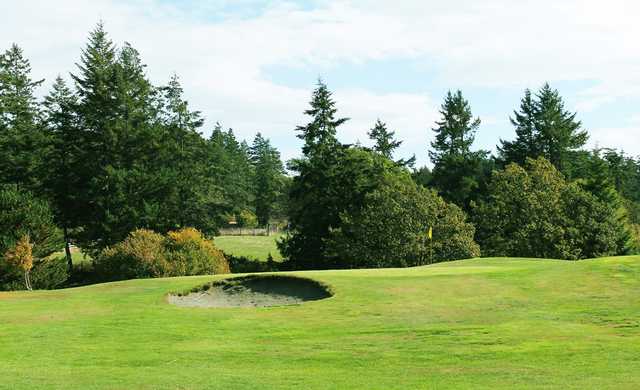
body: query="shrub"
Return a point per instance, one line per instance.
(27, 236)
(191, 254)
(50, 274)
(391, 229)
(146, 254)
(247, 219)
(534, 212)
(141, 255)
(25, 215)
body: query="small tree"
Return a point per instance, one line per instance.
(21, 257)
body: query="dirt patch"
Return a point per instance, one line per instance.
(253, 291)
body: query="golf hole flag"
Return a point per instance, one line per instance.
(430, 233)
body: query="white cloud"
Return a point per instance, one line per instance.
(221, 57)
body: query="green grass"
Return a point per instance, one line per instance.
(254, 247)
(482, 324)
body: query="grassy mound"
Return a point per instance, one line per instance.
(253, 291)
(485, 323)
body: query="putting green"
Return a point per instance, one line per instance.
(484, 323)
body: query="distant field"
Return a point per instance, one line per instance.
(471, 324)
(76, 256)
(254, 247)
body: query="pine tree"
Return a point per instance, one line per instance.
(456, 130)
(386, 144)
(267, 179)
(22, 141)
(558, 129)
(315, 204)
(64, 159)
(544, 128)
(527, 143)
(458, 172)
(319, 135)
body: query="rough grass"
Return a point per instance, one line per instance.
(486, 323)
(253, 247)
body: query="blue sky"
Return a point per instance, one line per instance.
(252, 64)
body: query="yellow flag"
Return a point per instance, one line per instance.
(430, 233)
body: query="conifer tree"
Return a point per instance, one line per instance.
(527, 142)
(268, 181)
(386, 144)
(544, 128)
(21, 138)
(458, 171)
(64, 159)
(319, 135)
(314, 196)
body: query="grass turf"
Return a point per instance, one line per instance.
(253, 247)
(485, 323)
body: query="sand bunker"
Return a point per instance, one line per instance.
(253, 291)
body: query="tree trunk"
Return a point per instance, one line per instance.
(67, 249)
(27, 280)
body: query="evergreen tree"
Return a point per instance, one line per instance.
(268, 181)
(544, 128)
(386, 144)
(22, 141)
(64, 159)
(314, 196)
(527, 143)
(319, 135)
(458, 172)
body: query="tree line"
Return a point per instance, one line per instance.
(111, 153)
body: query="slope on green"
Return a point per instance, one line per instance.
(484, 323)
(253, 247)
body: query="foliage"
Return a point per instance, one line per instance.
(459, 174)
(20, 257)
(390, 230)
(49, 274)
(22, 142)
(268, 178)
(386, 144)
(25, 215)
(534, 212)
(192, 254)
(543, 128)
(247, 219)
(147, 254)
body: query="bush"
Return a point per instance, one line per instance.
(534, 212)
(391, 229)
(50, 274)
(146, 254)
(141, 255)
(24, 217)
(192, 254)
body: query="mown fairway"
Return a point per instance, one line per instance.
(253, 247)
(488, 323)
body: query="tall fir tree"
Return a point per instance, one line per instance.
(527, 143)
(64, 159)
(268, 178)
(22, 140)
(319, 135)
(386, 143)
(458, 173)
(544, 128)
(313, 206)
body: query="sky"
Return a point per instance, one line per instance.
(252, 65)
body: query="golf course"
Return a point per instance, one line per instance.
(480, 323)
